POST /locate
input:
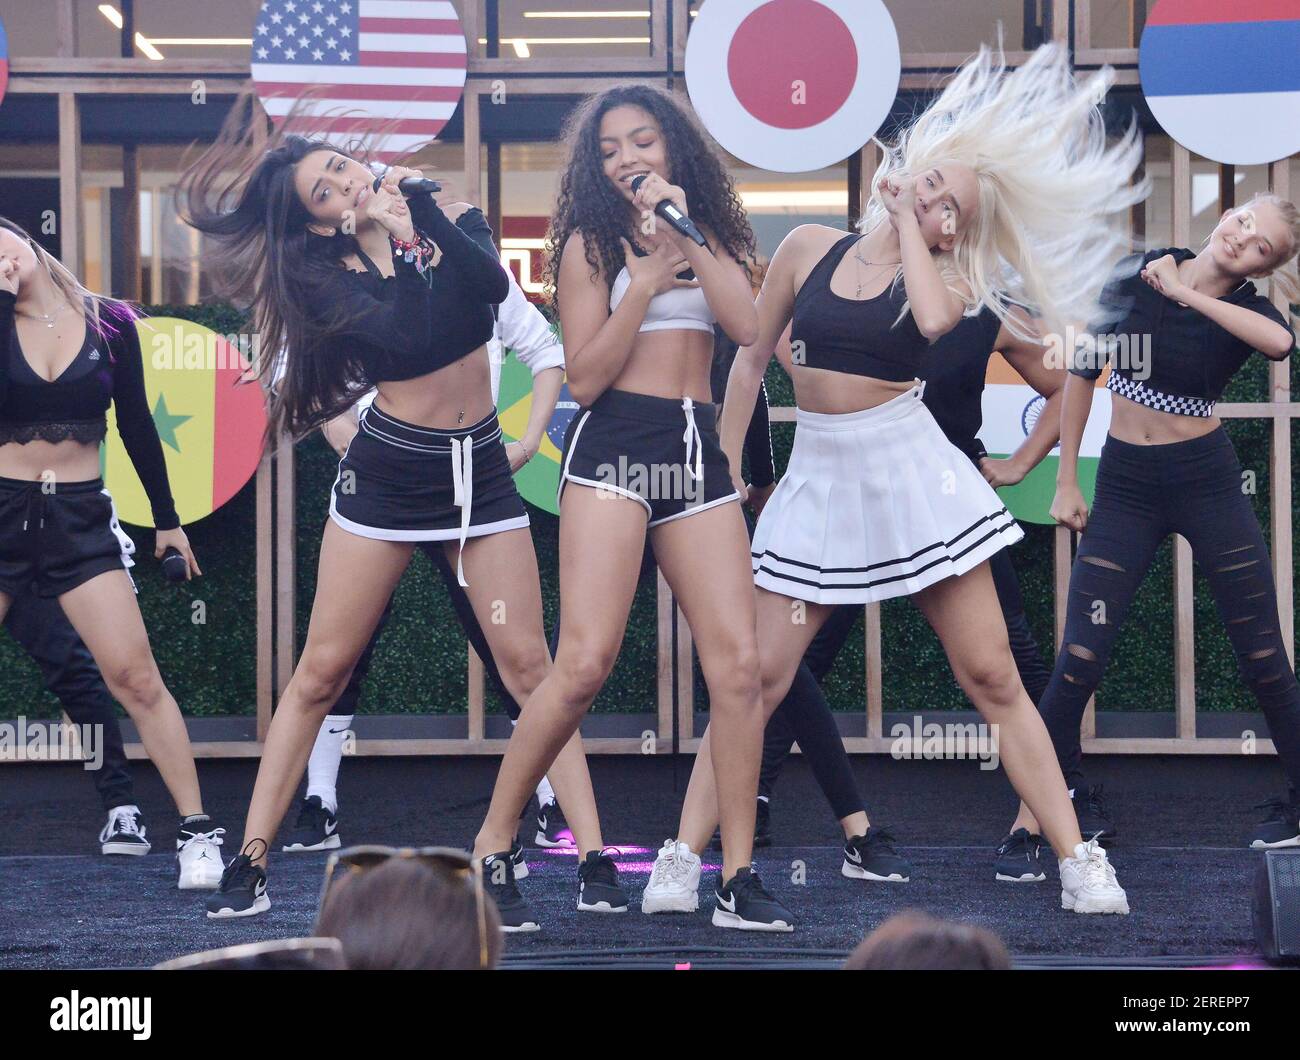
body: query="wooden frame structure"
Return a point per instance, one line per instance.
(68, 78)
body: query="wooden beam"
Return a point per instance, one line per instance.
(472, 148)
(664, 657)
(265, 625)
(1184, 602)
(1082, 25)
(66, 29)
(1280, 470)
(874, 677)
(1060, 10)
(130, 246)
(71, 236)
(286, 639)
(660, 44)
(681, 27)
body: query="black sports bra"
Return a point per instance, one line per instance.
(855, 336)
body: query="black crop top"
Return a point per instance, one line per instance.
(413, 323)
(1183, 359)
(107, 368)
(856, 336)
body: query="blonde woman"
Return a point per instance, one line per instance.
(66, 354)
(1004, 178)
(1168, 467)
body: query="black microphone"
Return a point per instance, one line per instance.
(680, 222)
(175, 569)
(408, 186)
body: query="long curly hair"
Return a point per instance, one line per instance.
(589, 203)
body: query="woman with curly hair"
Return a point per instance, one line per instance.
(642, 455)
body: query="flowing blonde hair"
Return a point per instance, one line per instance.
(1049, 182)
(77, 293)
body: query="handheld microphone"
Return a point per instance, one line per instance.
(680, 222)
(408, 186)
(174, 567)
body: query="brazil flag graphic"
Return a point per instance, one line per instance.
(210, 424)
(539, 479)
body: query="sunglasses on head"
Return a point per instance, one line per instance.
(446, 861)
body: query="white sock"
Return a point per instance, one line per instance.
(545, 793)
(326, 754)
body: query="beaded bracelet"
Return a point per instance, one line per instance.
(416, 251)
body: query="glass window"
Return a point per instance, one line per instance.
(562, 29)
(1116, 23)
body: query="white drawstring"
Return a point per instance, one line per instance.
(694, 444)
(462, 478)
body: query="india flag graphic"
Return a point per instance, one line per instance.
(1011, 408)
(211, 426)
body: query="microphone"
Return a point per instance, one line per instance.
(680, 222)
(408, 186)
(174, 567)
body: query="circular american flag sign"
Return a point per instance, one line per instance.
(391, 71)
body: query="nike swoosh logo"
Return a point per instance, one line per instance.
(337, 731)
(541, 823)
(729, 906)
(853, 856)
(331, 827)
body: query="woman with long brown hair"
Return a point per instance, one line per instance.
(66, 354)
(362, 288)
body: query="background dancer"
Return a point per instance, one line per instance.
(1168, 467)
(66, 354)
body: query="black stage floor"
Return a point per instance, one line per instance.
(1180, 855)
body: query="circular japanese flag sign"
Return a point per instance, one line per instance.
(1222, 77)
(793, 85)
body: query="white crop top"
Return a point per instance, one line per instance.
(679, 309)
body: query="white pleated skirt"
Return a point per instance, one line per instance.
(875, 504)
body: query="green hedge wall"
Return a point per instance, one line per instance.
(419, 665)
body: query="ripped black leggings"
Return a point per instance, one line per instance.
(1144, 494)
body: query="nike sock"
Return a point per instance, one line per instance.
(326, 754)
(545, 793)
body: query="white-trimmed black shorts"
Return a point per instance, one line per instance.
(661, 452)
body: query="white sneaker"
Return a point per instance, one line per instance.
(124, 832)
(674, 885)
(1088, 883)
(198, 858)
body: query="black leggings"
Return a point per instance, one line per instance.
(804, 715)
(1144, 494)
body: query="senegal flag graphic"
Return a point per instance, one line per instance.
(1011, 408)
(210, 424)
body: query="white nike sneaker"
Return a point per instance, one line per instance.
(1088, 883)
(674, 885)
(198, 856)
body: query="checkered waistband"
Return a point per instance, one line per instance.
(1176, 404)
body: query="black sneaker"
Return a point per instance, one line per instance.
(242, 890)
(1094, 818)
(316, 828)
(124, 832)
(517, 863)
(762, 827)
(598, 888)
(873, 857)
(743, 904)
(1280, 826)
(499, 884)
(1018, 858)
(552, 828)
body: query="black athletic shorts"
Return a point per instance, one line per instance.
(55, 536)
(662, 452)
